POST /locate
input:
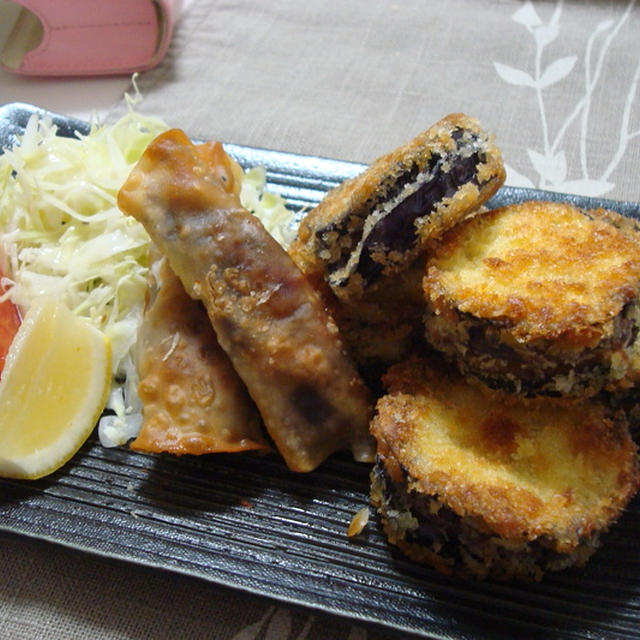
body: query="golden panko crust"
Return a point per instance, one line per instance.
(331, 238)
(543, 270)
(527, 469)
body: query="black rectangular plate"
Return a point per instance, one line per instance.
(249, 523)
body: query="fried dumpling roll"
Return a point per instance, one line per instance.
(538, 297)
(266, 315)
(193, 401)
(480, 483)
(377, 223)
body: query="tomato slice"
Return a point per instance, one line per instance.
(9, 323)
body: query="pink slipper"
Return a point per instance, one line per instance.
(89, 37)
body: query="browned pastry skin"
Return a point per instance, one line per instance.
(193, 401)
(538, 297)
(267, 317)
(479, 482)
(377, 223)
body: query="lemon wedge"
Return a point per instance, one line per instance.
(53, 389)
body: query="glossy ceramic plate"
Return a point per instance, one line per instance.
(249, 523)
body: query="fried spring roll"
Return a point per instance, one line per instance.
(267, 317)
(193, 401)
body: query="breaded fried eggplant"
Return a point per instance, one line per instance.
(378, 222)
(624, 395)
(386, 325)
(537, 298)
(480, 483)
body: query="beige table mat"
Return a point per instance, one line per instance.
(558, 84)
(49, 592)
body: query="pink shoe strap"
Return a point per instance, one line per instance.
(92, 37)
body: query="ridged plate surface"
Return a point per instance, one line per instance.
(248, 523)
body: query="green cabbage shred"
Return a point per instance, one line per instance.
(62, 234)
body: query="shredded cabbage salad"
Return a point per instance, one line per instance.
(269, 207)
(62, 234)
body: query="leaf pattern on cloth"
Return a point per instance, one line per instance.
(550, 162)
(277, 623)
